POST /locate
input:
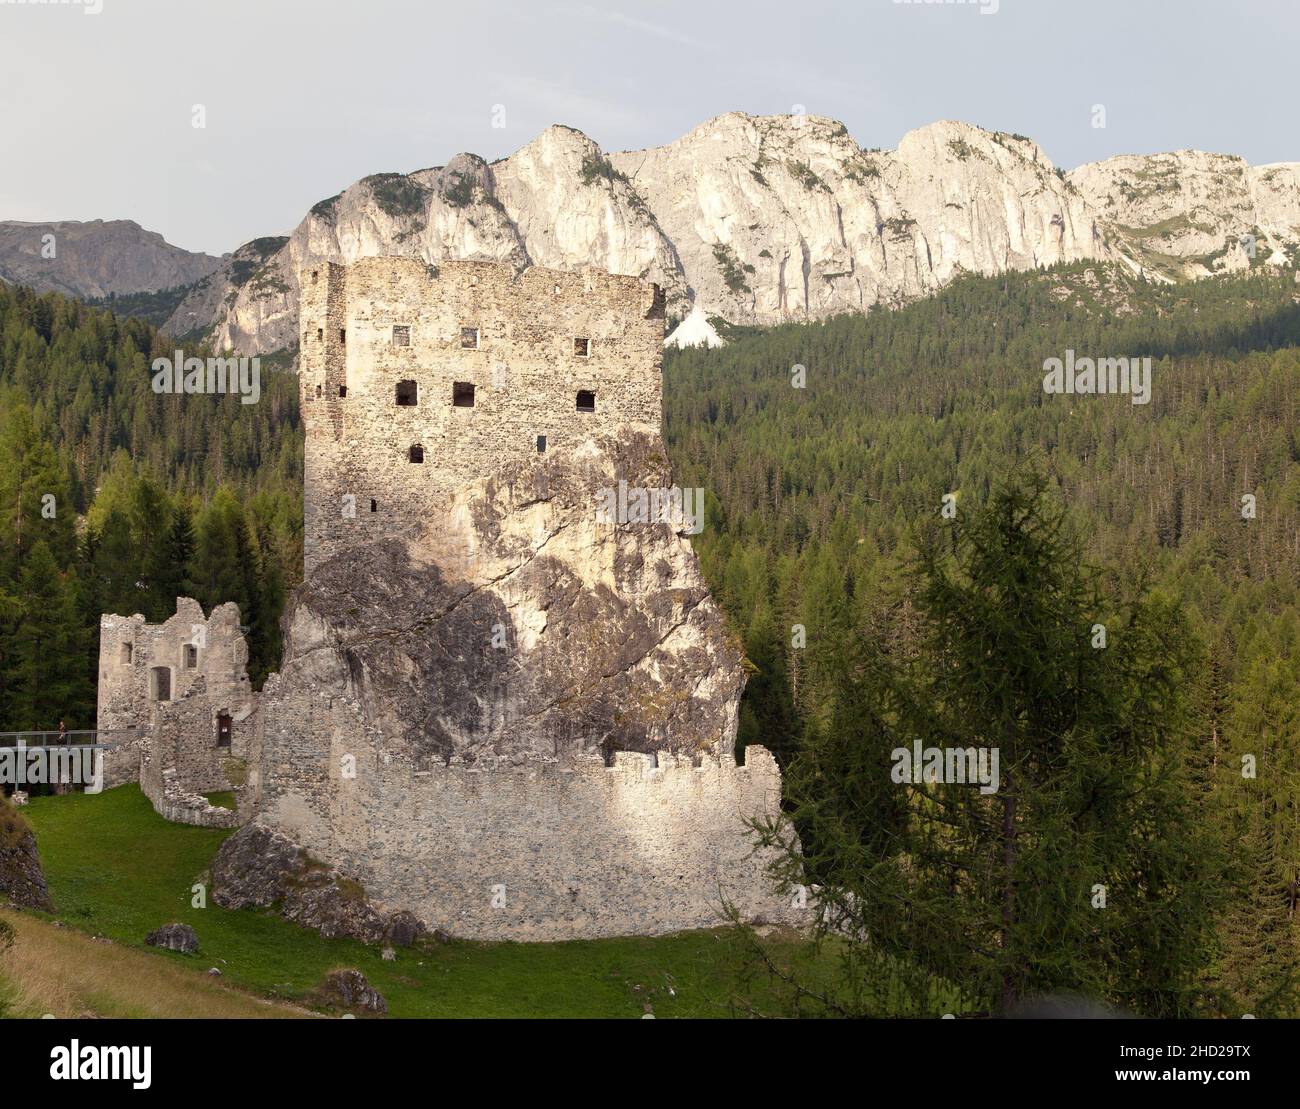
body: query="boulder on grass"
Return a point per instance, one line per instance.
(348, 989)
(174, 937)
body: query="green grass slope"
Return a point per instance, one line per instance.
(118, 869)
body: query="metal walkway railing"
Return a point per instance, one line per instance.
(84, 738)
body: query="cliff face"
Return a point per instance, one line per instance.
(96, 258)
(779, 218)
(1182, 215)
(764, 219)
(517, 626)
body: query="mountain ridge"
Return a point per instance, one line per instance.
(96, 258)
(763, 219)
(758, 220)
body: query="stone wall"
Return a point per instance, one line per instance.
(531, 850)
(519, 354)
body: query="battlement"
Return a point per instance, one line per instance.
(417, 380)
(533, 849)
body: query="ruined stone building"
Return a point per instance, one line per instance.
(495, 711)
(174, 698)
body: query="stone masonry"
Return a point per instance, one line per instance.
(521, 349)
(175, 701)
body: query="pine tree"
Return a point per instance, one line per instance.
(49, 680)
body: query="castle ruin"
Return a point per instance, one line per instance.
(495, 711)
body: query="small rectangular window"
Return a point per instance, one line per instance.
(582, 347)
(469, 338)
(126, 653)
(462, 394)
(223, 730)
(374, 505)
(343, 336)
(320, 334)
(401, 335)
(586, 400)
(191, 656)
(416, 454)
(343, 390)
(541, 443)
(406, 394)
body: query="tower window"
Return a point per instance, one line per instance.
(415, 454)
(223, 729)
(318, 390)
(469, 338)
(191, 654)
(582, 347)
(586, 400)
(343, 390)
(374, 505)
(320, 334)
(462, 394)
(126, 653)
(314, 275)
(343, 336)
(401, 335)
(541, 443)
(407, 392)
(160, 684)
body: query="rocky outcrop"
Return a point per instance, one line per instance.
(349, 989)
(97, 258)
(764, 219)
(607, 639)
(216, 293)
(174, 937)
(1184, 215)
(258, 867)
(22, 881)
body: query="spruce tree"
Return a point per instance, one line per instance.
(49, 679)
(1088, 871)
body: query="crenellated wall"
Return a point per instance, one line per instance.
(526, 849)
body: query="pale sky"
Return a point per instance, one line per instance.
(303, 98)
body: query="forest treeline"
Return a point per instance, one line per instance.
(118, 499)
(824, 499)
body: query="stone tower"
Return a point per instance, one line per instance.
(500, 712)
(416, 381)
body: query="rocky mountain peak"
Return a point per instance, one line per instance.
(761, 219)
